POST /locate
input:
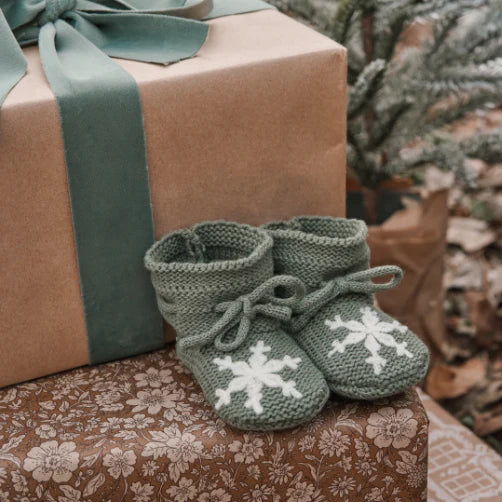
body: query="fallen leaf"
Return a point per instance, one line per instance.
(483, 316)
(445, 381)
(489, 421)
(469, 233)
(495, 284)
(463, 272)
(492, 177)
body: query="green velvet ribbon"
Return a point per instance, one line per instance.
(102, 129)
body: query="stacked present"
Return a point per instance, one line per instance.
(99, 157)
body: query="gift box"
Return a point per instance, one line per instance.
(462, 468)
(141, 430)
(251, 129)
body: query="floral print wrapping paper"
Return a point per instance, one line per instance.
(140, 430)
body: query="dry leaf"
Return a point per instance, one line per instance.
(489, 421)
(483, 317)
(463, 272)
(492, 177)
(470, 233)
(446, 381)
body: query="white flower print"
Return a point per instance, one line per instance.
(258, 494)
(252, 376)
(301, 492)
(70, 494)
(373, 332)
(52, 461)
(342, 486)
(389, 426)
(109, 400)
(218, 450)
(46, 431)
(138, 421)
(4, 496)
(362, 448)
(153, 378)
(280, 473)
(417, 472)
(153, 401)
(119, 463)
(365, 467)
(306, 443)
(218, 495)
(182, 448)
(19, 482)
(110, 424)
(248, 451)
(375, 495)
(102, 454)
(184, 492)
(333, 442)
(142, 493)
(149, 468)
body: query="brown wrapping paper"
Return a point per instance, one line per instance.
(140, 431)
(415, 239)
(252, 129)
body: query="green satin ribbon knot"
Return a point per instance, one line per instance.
(102, 128)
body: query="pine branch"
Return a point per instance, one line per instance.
(366, 86)
(487, 147)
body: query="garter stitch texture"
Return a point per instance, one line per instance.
(215, 285)
(362, 352)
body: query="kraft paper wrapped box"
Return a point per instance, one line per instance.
(251, 129)
(141, 430)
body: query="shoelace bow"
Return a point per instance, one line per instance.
(356, 282)
(242, 311)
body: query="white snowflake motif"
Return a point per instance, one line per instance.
(374, 332)
(252, 376)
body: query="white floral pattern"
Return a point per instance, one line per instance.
(252, 376)
(51, 460)
(373, 332)
(62, 441)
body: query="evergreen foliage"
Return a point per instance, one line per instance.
(402, 96)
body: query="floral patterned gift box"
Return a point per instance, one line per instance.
(140, 430)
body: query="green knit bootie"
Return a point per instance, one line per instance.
(362, 352)
(215, 285)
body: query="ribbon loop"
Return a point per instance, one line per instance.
(54, 9)
(243, 310)
(356, 282)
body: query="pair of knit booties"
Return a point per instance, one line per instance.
(270, 319)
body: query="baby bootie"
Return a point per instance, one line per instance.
(362, 352)
(215, 285)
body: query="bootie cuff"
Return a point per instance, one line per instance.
(210, 256)
(320, 246)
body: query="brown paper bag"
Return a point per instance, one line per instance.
(415, 239)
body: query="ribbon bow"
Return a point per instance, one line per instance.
(356, 282)
(243, 310)
(143, 30)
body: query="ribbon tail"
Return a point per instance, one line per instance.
(13, 64)
(102, 129)
(222, 8)
(151, 38)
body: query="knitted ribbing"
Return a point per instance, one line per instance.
(319, 248)
(362, 352)
(215, 285)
